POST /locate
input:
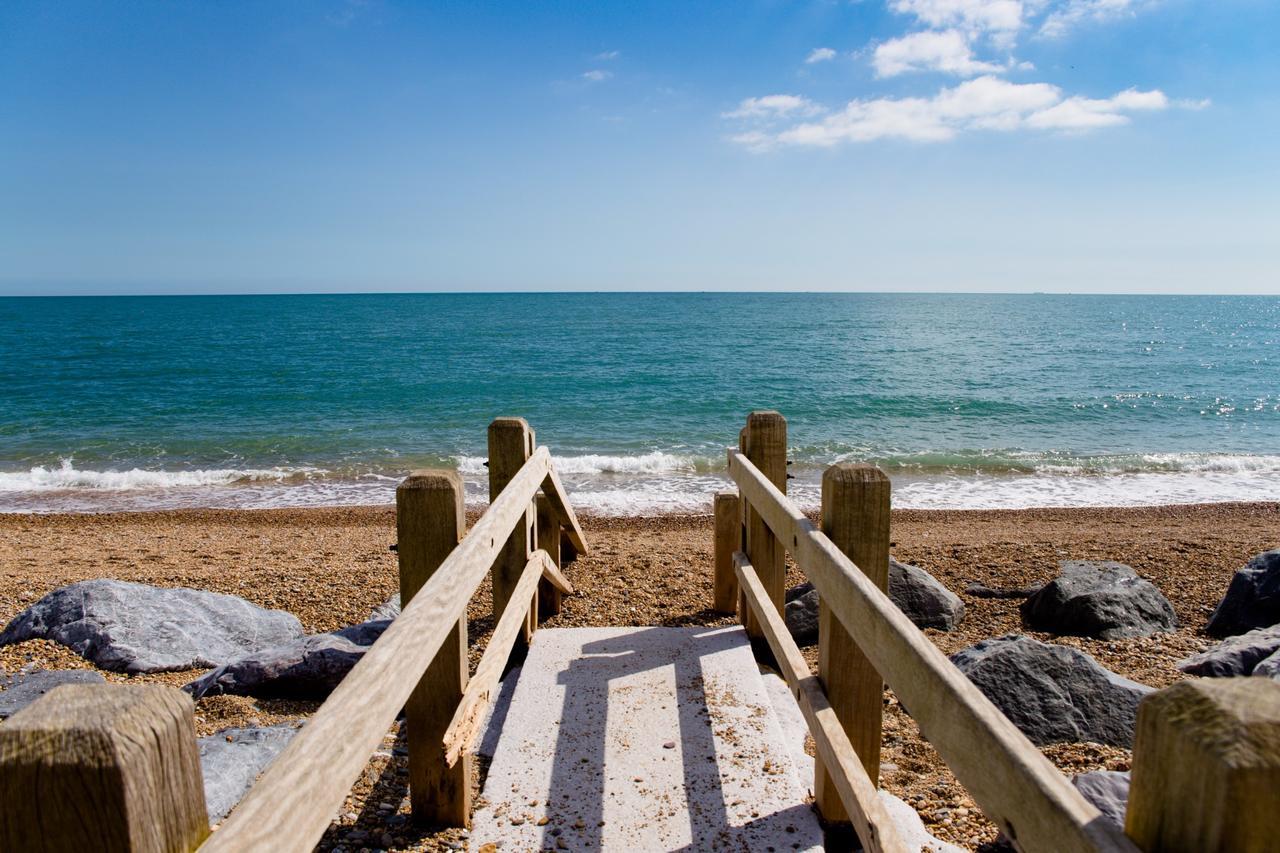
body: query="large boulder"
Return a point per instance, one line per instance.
(918, 594)
(1252, 599)
(1105, 600)
(305, 668)
(132, 627)
(388, 609)
(24, 687)
(1108, 790)
(232, 760)
(1268, 667)
(924, 600)
(1054, 694)
(1234, 655)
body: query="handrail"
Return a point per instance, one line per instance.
(1012, 782)
(857, 791)
(295, 799)
(467, 720)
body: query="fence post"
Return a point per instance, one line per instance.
(728, 538)
(549, 598)
(1206, 767)
(766, 448)
(110, 767)
(855, 516)
(510, 445)
(430, 522)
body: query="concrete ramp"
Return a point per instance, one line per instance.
(642, 739)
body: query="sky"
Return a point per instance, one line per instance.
(878, 145)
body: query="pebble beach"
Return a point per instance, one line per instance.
(331, 566)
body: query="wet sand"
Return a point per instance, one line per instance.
(330, 567)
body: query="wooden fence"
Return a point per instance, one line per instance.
(115, 767)
(1206, 766)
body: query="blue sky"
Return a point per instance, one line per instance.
(1025, 145)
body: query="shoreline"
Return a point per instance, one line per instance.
(330, 566)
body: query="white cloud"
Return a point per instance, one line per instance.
(1075, 12)
(596, 75)
(985, 103)
(819, 54)
(946, 50)
(772, 107)
(985, 16)
(607, 55)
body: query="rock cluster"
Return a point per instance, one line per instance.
(1252, 599)
(133, 627)
(1105, 600)
(1254, 653)
(1054, 694)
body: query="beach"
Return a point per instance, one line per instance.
(332, 566)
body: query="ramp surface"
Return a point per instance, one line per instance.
(642, 739)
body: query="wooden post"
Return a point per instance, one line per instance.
(766, 447)
(430, 521)
(510, 445)
(1206, 768)
(728, 538)
(855, 517)
(549, 598)
(103, 767)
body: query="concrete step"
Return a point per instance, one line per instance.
(642, 739)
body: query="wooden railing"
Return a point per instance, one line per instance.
(1201, 748)
(112, 767)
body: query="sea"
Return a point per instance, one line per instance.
(966, 401)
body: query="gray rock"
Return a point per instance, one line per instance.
(924, 600)
(1252, 599)
(21, 689)
(1108, 790)
(388, 609)
(1269, 667)
(919, 595)
(132, 627)
(1105, 600)
(1234, 655)
(232, 760)
(1054, 694)
(306, 668)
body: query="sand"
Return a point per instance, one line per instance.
(330, 567)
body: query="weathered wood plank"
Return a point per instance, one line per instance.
(429, 524)
(554, 490)
(1206, 768)
(510, 443)
(1016, 786)
(469, 716)
(298, 795)
(766, 446)
(547, 539)
(110, 767)
(848, 777)
(728, 539)
(855, 517)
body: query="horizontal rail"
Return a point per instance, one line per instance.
(293, 803)
(476, 699)
(555, 577)
(857, 791)
(1011, 781)
(554, 490)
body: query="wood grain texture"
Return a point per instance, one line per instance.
(849, 779)
(468, 718)
(766, 446)
(102, 767)
(855, 517)
(1013, 784)
(301, 791)
(510, 443)
(429, 525)
(1206, 768)
(728, 539)
(547, 538)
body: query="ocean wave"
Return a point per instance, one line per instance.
(655, 462)
(67, 477)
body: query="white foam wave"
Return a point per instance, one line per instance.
(655, 462)
(68, 477)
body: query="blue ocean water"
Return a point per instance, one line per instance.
(966, 400)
